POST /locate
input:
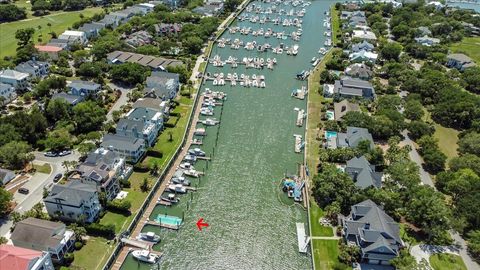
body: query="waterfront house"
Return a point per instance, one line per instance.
(84, 88)
(155, 63)
(69, 98)
(360, 71)
(153, 104)
(343, 107)
(74, 201)
(92, 29)
(471, 29)
(209, 10)
(459, 61)
(351, 138)
(74, 36)
(51, 51)
(353, 88)
(36, 69)
(363, 46)
(344, 15)
(7, 94)
(357, 21)
(44, 235)
(17, 258)
(152, 117)
(162, 85)
(19, 80)
(374, 232)
(364, 35)
(363, 173)
(132, 149)
(427, 41)
(104, 169)
(363, 56)
(436, 4)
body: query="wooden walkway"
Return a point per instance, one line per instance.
(146, 215)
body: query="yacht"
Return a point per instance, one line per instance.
(186, 166)
(200, 132)
(149, 236)
(206, 111)
(190, 158)
(196, 152)
(177, 188)
(144, 255)
(171, 198)
(191, 173)
(181, 180)
(210, 122)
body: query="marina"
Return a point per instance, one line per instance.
(251, 129)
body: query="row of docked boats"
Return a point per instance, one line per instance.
(249, 62)
(244, 80)
(145, 255)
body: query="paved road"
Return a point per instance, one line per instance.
(122, 100)
(36, 185)
(415, 157)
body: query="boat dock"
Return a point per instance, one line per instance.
(298, 143)
(162, 225)
(203, 158)
(300, 117)
(302, 238)
(136, 243)
(300, 93)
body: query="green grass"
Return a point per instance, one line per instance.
(409, 236)
(93, 254)
(59, 21)
(325, 254)
(445, 261)
(44, 168)
(315, 214)
(335, 24)
(468, 46)
(447, 140)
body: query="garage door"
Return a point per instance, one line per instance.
(374, 261)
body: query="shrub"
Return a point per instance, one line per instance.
(139, 167)
(106, 231)
(69, 257)
(124, 183)
(119, 206)
(154, 153)
(78, 245)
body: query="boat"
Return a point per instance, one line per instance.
(206, 111)
(210, 122)
(177, 188)
(322, 51)
(192, 173)
(316, 62)
(170, 197)
(186, 166)
(196, 152)
(144, 255)
(149, 236)
(190, 158)
(200, 132)
(313, 59)
(181, 181)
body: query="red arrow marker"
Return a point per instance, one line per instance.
(201, 224)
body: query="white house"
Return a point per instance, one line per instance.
(132, 149)
(74, 36)
(364, 34)
(36, 69)
(7, 92)
(19, 80)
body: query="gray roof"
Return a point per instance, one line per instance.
(143, 113)
(13, 74)
(362, 173)
(343, 107)
(72, 193)
(353, 87)
(90, 27)
(122, 142)
(149, 103)
(460, 57)
(84, 85)
(358, 70)
(131, 125)
(144, 60)
(38, 232)
(6, 176)
(365, 45)
(353, 137)
(71, 99)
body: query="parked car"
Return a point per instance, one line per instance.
(23, 190)
(50, 154)
(57, 177)
(65, 153)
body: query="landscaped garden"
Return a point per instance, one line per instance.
(444, 261)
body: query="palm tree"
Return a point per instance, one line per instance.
(66, 164)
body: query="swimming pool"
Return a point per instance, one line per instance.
(330, 115)
(330, 134)
(168, 220)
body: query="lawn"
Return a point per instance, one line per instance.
(468, 46)
(447, 140)
(44, 168)
(325, 254)
(93, 254)
(445, 261)
(335, 24)
(315, 214)
(59, 23)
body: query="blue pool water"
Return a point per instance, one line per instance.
(168, 220)
(330, 134)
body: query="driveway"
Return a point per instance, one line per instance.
(415, 157)
(122, 100)
(423, 252)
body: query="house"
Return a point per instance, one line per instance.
(363, 173)
(84, 88)
(427, 41)
(139, 129)
(363, 56)
(351, 88)
(51, 51)
(36, 69)
(139, 38)
(6, 176)
(363, 46)
(154, 104)
(343, 107)
(44, 235)
(113, 19)
(209, 10)
(60, 43)
(394, 3)
(457, 60)
(374, 232)
(162, 85)
(435, 4)
(147, 7)
(153, 117)
(69, 98)
(173, 4)
(73, 201)
(364, 35)
(103, 169)
(7, 94)
(74, 36)
(357, 21)
(132, 149)
(345, 15)
(92, 29)
(155, 63)
(359, 70)
(17, 258)
(350, 139)
(423, 31)
(19, 80)
(165, 29)
(471, 29)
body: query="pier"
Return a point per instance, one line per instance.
(300, 118)
(302, 238)
(298, 143)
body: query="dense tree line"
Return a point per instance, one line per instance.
(10, 12)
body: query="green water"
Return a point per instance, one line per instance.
(252, 222)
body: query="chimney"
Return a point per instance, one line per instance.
(355, 176)
(344, 108)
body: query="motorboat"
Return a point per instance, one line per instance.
(149, 236)
(200, 132)
(170, 197)
(177, 188)
(186, 166)
(191, 173)
(181, 180)
(206, 111)
(190, 158)
(210, 122)
(313, 60)
(196, 152)
(144, 255)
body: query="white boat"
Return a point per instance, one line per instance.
(181, 181)
(171, 198)
(209, 122)
(186, 166)
(149, 236)
(190, 158)
(191, 173)
(200, 132)
(196, 152)
(144, 255)
(178, 188)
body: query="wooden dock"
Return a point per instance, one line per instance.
(298, 143)
(204, 158)
(162, 225)
(300, 117)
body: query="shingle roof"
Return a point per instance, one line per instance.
(459, 57)
(38, 232)
(362, 173)
(343, 107)
(122, 142)
(13, 74)
(84, 85)
(73, 193)
(71, 99)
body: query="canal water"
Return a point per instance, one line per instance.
(251, 221)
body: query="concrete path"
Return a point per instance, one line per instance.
(325, 237)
